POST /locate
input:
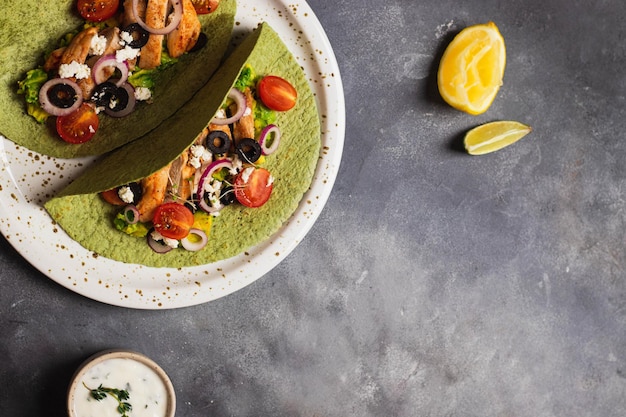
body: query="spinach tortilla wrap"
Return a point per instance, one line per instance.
(30, 28)
(86, 218)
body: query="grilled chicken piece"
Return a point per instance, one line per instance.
(180, 172)
(244, 127)
(54, 60)
(156, 13)
(154, 188)
(78, 50)
(185, 36)
(112, 35)
(129, 16)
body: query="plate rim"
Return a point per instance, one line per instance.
(330, 100)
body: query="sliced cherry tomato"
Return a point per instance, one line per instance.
(78, 126)
(97, 10)
(277, 93)
(253, 186)
(205, 6)
(173, 220)
(112, 197)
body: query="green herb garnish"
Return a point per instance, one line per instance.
(120, 395)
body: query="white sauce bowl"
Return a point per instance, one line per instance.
(151, 393)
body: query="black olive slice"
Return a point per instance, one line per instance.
(218, 142)
(200, 43)
(192, 204)
(103, 93)
(227, 195)
(139, 34)
(248, 150)
(119, 100)
(62, 96)
(135, 187)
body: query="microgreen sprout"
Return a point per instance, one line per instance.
(120, 395)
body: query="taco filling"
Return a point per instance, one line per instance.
(174, 207)
(114, 57)
(221, 175)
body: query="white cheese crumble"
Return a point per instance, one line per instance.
(245, 175)
(247, 111)
(270, 181)
(172, 243)
(213, 190)
(125, 38)
(126, 194)
(220, 114)
(98, 45)
(197, 155)
(74, 69)
(91, 129)
(126, 54)
(237, 164)
(143, 93)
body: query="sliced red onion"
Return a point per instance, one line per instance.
(240, 100)
(268, 143)
(98, 71)
(195, 240)
(49, 107)
(131, 214)
(174, 18)
(130, 106)
(155, 245)
(206, 175)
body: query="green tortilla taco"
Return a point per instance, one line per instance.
(29, 29)
(82, 213)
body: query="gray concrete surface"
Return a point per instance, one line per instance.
(434, 283)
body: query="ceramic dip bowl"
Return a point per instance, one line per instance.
(112, 381)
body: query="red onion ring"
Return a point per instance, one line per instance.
(265, 137)
(240, 99)
(175, 19)
(109, 61)
(131, 214)
(157, 246)
(208, 172)
(194, 245)
(130, 106)
(50, 108)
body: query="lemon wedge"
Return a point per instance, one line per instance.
(493, 136)
(472, 67)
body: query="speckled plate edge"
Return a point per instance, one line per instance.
(28, 179)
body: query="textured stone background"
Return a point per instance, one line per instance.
(433, 283)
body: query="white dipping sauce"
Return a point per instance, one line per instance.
(147, 392)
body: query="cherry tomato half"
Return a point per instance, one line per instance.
(78, 126)
(97, 10)
(277, 93)
(253, 188)
(205, 6)
(173, 220)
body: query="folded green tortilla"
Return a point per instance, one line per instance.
(30, 28)
(81, 212)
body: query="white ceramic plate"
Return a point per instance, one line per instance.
(28, 179)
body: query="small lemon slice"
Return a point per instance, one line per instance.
(493, 136)
(472, 67)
